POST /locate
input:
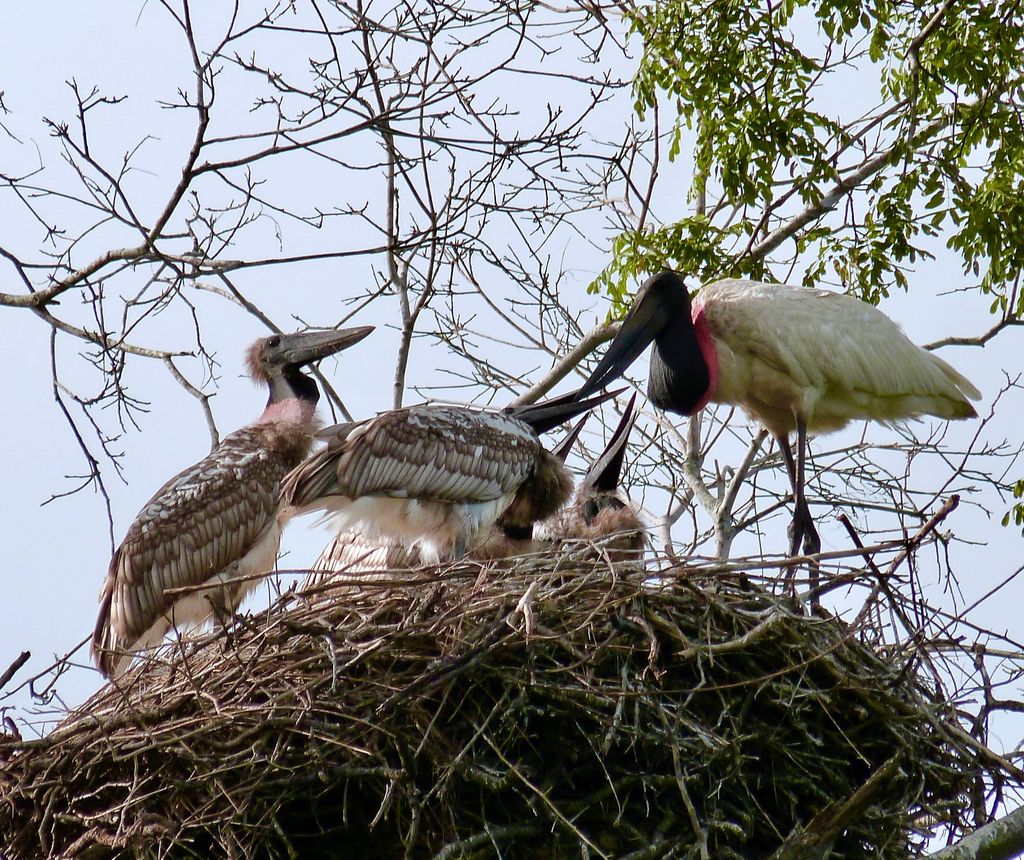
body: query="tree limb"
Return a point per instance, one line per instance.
(1001, 839)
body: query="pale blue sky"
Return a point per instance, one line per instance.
(57, 555)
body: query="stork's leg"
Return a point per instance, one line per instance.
(794, 534)
(801, 530)
(787, 455)
(803, 523)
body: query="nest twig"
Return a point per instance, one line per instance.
(542, 711)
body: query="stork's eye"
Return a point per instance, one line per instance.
(274, 341)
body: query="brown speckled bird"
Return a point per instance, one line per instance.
(438, 477)
(215, 524)
(597, 514)
(350, 553)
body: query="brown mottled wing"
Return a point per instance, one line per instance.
(442, 453)
(351, 554)
(196, 525)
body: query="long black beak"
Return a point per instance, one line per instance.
(562, 449)
(305, 347)
(605, 472)
(551, 413)
(651, 312)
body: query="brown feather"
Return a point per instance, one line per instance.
(441, 453)
(615, 526)
(541, 495)
(195, 526)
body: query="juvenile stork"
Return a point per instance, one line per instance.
(598, 513)
(792, 358)
(350, 553)
(215, 523)
(438, 477)
(601, 513)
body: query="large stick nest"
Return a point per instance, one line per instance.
(527, 713)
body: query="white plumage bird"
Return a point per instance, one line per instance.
(795, 359)
(198, 546)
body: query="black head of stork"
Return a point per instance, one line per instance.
(795, 359)
(606, 511)
(680, 374)
(277, 360)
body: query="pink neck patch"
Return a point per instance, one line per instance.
(707, 347)
(290, 411)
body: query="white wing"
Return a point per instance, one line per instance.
(784, 348)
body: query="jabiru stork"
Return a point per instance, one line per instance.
(350, 553)
(795, 359)
(198, 546)
(437, 477)
(597, 514)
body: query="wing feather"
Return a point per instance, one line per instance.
(441, 453)
(845, 349)
(350, 554)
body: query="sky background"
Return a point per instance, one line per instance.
(57, 553)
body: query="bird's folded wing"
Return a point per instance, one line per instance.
(196, 525)
(827, 340)
(442, 453)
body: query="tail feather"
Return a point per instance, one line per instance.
(105, 641)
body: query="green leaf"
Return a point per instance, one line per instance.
(767, 136)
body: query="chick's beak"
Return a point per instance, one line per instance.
(604, 474)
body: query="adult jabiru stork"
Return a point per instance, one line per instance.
(794, 359)
(198, 546)
(437, 477)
